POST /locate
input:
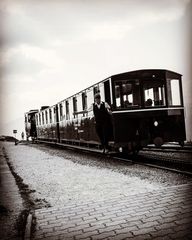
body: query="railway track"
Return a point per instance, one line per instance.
(173, 147)
(161, 162)
(171, 158)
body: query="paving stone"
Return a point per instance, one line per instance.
(104, 235)
(87, 234)
(181, 235)
(130, 220)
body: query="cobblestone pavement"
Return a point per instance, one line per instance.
(11, 203)
(159, 214)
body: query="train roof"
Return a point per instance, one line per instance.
(32, 111)
(145, 73)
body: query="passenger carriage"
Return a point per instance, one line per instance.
(147, 107)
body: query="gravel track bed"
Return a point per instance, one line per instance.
(60, 176)
(177, 156)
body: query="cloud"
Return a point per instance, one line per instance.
(52, 49)
(47, 57)
(48, 37)
(26, 59)
(54, 23)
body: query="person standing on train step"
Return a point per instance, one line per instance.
(103, 124)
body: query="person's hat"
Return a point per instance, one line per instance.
(97, 95)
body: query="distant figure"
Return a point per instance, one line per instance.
(103, 122)
(22, 135)
(149, 102)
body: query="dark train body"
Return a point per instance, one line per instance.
(147, 107)
(30, 124)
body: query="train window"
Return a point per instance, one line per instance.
(29, 118)
(174, 95)
(36, 117)
(50, 115)
(26, 119)
(101, 91)
(74, 106)
(117, 95)
(95, 90)
(90, 101)
(54, 114)
(127, 94)
(84, 101)
(154, 93)
(61, 111)
(43, 120)
(46, 117)
(67, 110)
(39, 119)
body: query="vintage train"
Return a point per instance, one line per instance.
(147, 107)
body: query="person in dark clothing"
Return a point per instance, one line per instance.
(22, 135)
(103, 125)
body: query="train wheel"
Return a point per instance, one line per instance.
(135, 152)
(158, 141)
(181, 143)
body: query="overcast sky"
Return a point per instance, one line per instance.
(53, 49)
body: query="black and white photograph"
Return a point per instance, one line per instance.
(95, 120)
